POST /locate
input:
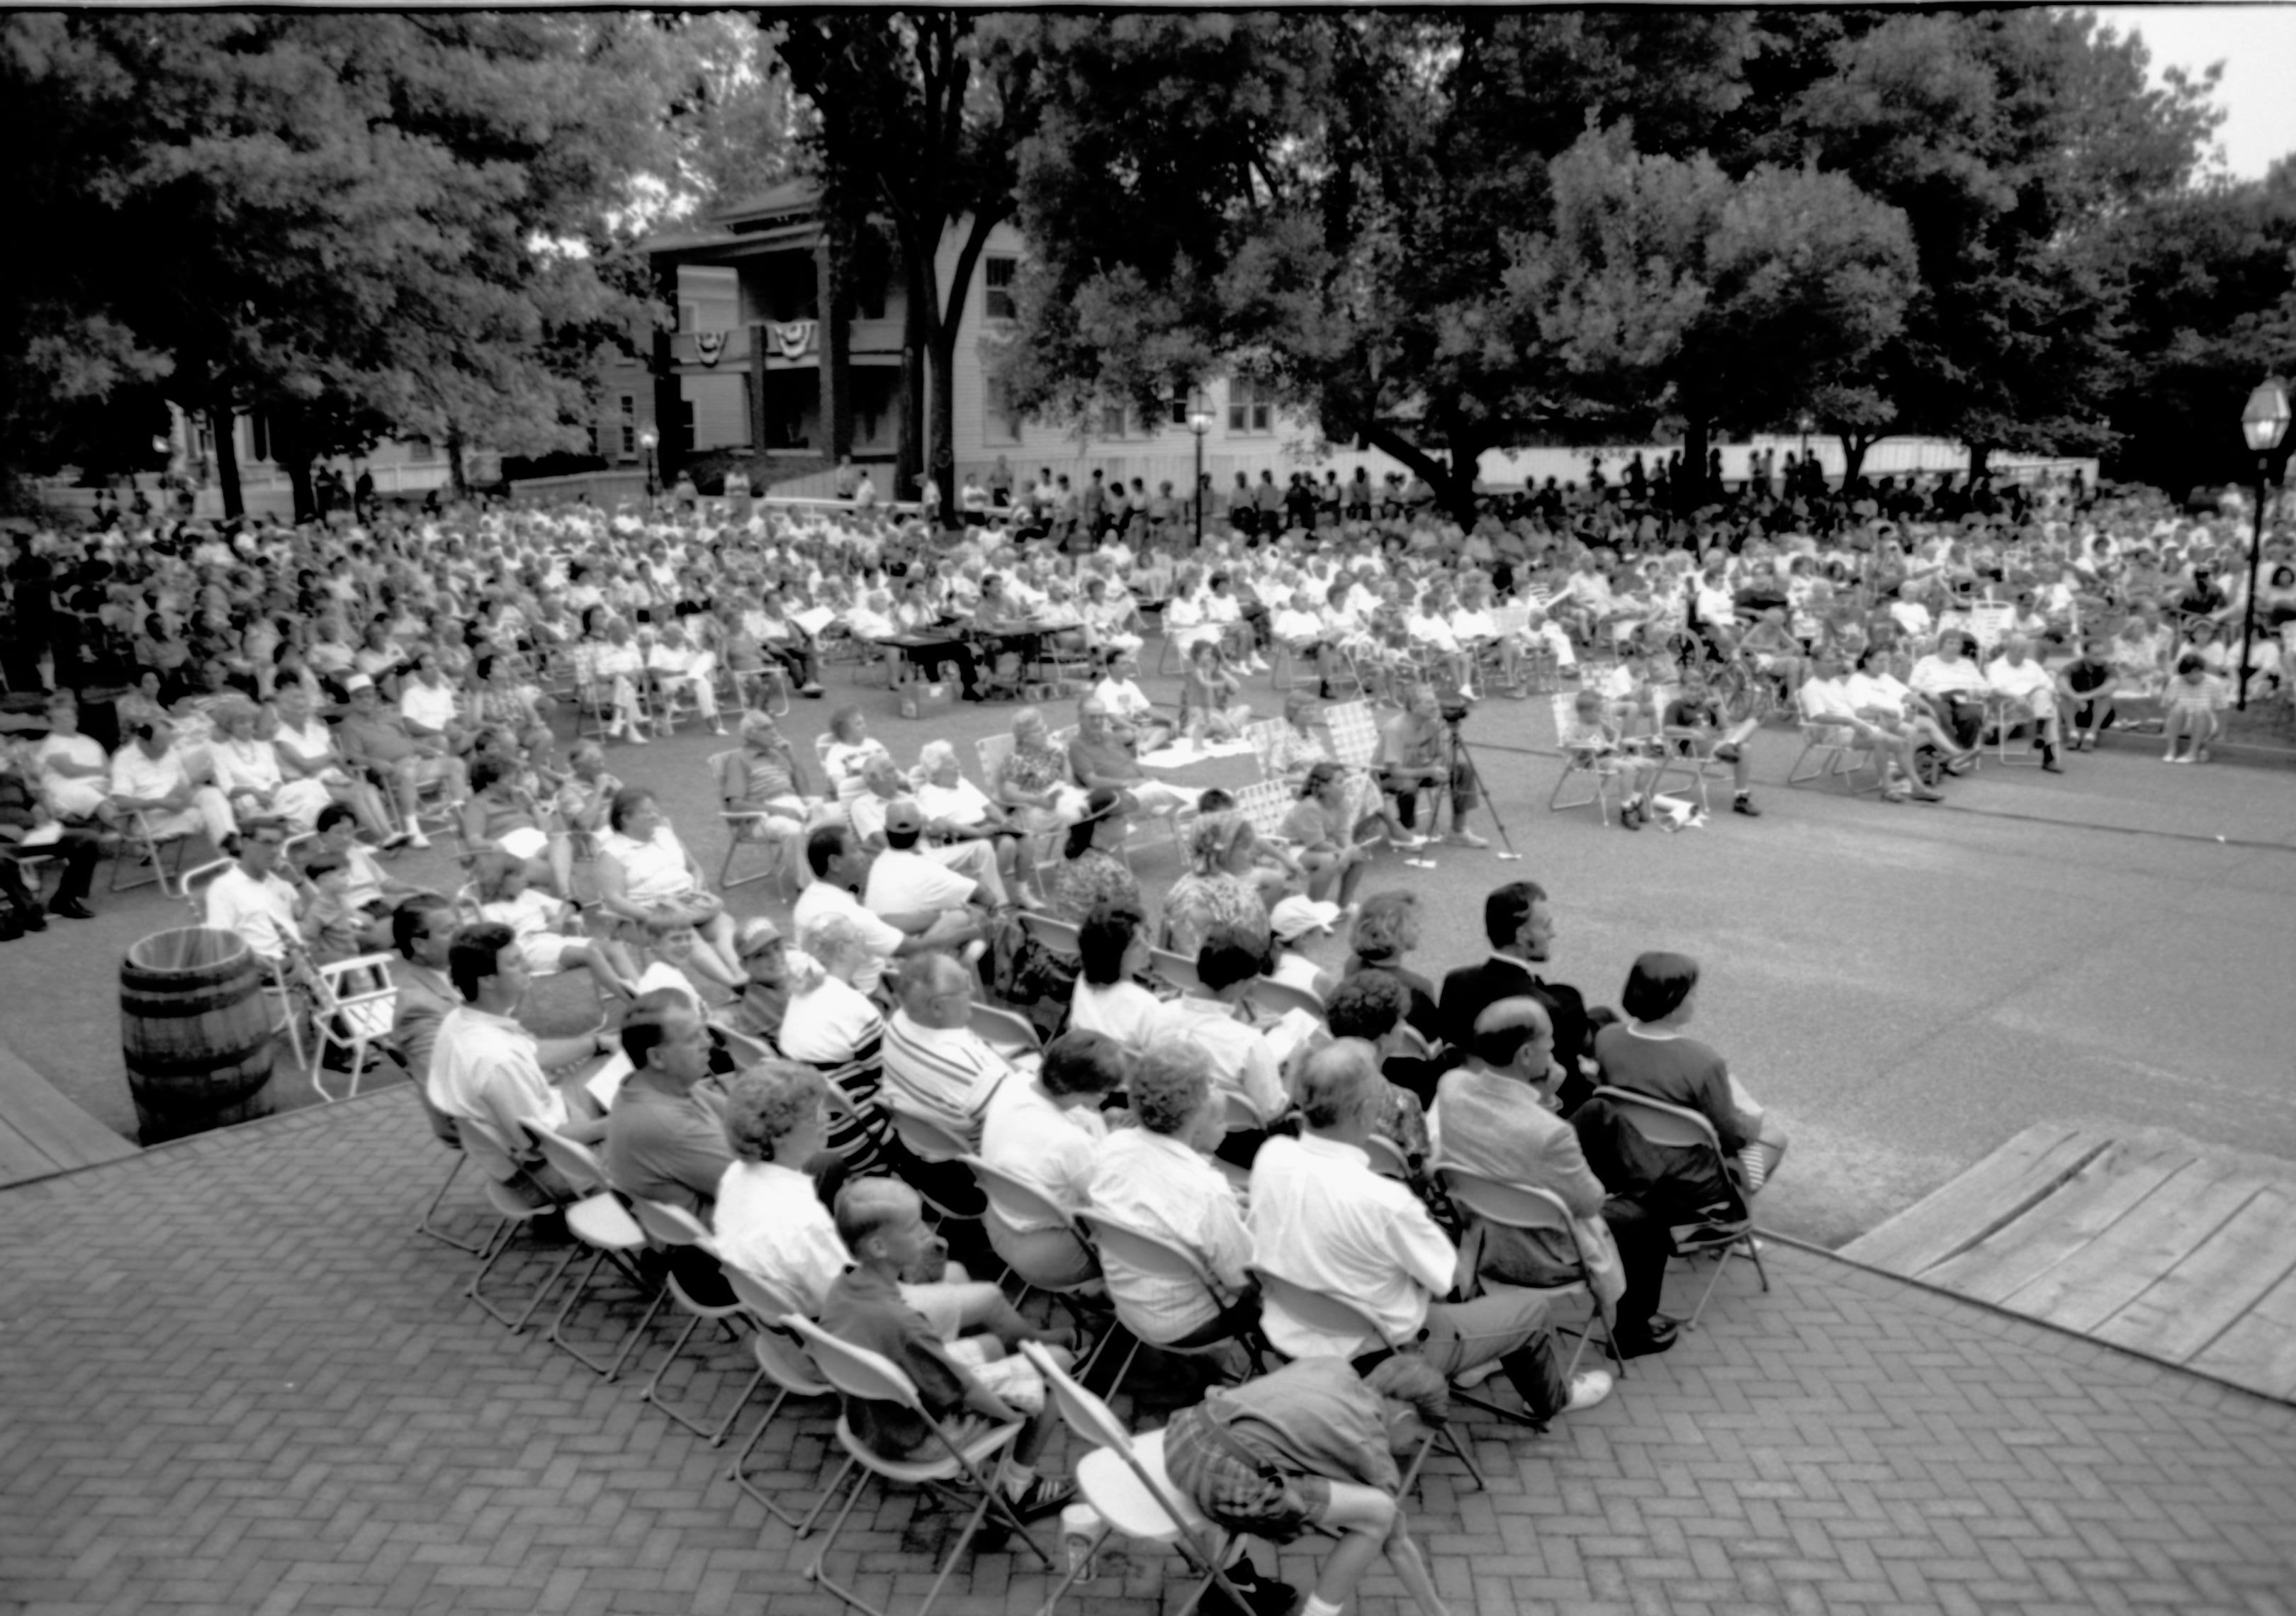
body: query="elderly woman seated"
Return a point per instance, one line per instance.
(1046, 1131)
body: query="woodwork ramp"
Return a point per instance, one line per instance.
(41, 1132)
(2139, 1238)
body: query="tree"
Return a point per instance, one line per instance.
(1332, 205)
(2012, 141)
(918, 119)
(1666, 287)
(343, 221)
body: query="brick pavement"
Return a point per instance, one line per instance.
(234, 1380)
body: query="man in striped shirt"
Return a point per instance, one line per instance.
(933, 1059)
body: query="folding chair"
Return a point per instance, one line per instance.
(1263, 734)
(191, 886)
(1012, 1202)
(1265, 804)
(2004, 717)
(517, 1207)
(1058, 935)
(930, 1139)
(349, 1013)
(1387, 1159)
(1830, 752)
(780, 1359)
(1123, 1478)
(1526, 1207)
(1355, 737)
(1177, 972)
(956, 1471)
(1333, 1315)
(1131, 1247)
(139, 842)
(674, 1227)
(742, 828)
(1276, 998)
(1690, 754)
(599, 1222)
(425, 1225)
(1007, 1032)
(1678, 1128)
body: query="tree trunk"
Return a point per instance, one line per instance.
(1854, 450)
(837, 346)
(226, 462)
(940, 429)
(916, 341)
(300, 490)
(1452, 479)
(1980, 456)
(456, 477)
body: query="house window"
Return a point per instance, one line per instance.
(418, 449)
(1249, 409)
(1000, 422)
(871, 296)
(687, 319)
(630, 424)
(1113, 419)
(259, 435)
(1175, 410)
(996, 276)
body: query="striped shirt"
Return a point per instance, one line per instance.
(945, 1070)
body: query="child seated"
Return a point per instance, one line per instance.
(675, 959)
(506, 898)
(881, 1222)
(1593, 738)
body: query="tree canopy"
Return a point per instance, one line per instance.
(349, 222)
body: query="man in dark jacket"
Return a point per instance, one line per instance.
(1520, 927)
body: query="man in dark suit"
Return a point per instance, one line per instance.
(1520, 927)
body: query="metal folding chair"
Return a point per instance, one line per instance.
(672, 1228)
(1678, 1128)
(1526, 1207)
(780, 1359)
(957, 1470)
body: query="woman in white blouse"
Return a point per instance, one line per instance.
(306, 751)
(248, 772)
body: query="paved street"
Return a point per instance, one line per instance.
(235, 1381)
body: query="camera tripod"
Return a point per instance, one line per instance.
(1463, 767)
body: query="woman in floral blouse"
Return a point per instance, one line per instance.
(1217, 891)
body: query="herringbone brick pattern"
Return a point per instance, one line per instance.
(234, 1380)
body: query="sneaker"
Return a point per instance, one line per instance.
(1465, 838)
(1922, 793)
(416, 839)
(1745, 805)
(1894, 794)
(395, 840)
(1630, 819)
(1588, 1388)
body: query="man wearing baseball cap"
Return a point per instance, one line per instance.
(905, 879)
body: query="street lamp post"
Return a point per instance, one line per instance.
(1198, 422)
(649, 440)
(2263, 423)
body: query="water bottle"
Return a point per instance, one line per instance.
(1080, 1530)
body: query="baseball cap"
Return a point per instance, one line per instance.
(755, 935)
(903, 816)
(356, 682)
(1296, 916)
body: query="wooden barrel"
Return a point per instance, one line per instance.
(196, 1030)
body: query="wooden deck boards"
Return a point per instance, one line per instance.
(2143, 1238)
(41, 1132)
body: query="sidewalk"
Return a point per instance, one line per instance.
(236, 1382)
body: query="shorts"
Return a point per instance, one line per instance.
(546, 951)
(1207, 1462)
(526, 842)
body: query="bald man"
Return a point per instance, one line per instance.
(1496, 1117)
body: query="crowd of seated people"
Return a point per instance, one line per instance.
(1285, 1162)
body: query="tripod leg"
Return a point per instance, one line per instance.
(1466, 760)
